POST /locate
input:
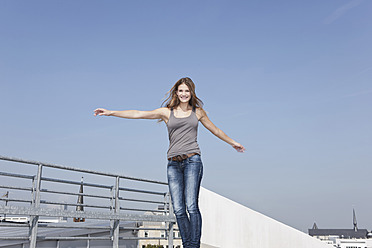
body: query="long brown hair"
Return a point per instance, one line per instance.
(173, 101)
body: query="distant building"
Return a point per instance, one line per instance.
(344, 238)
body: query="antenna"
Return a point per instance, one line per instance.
(80, 202)
(355, 221)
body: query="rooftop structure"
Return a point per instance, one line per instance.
(341, 233)
(344, 238)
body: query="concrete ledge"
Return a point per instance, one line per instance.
(227, 224)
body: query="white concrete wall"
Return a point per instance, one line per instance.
(227, 224)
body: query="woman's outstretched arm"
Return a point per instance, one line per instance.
(160, 113)
(208, 124)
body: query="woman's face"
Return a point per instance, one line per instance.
(183, 93)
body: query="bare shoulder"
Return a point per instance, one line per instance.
(164, 112)
(200, 113)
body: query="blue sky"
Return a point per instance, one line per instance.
(290, 80)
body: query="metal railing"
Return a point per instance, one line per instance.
(56, 193)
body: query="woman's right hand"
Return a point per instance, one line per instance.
(101, 111)
(238, 147)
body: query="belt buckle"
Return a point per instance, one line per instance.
(180, 158)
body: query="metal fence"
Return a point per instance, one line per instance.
(40, 193)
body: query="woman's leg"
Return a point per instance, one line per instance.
(193, 173)
(175, 174)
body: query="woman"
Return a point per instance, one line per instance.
(182, 113)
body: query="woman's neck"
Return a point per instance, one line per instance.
(184, 106)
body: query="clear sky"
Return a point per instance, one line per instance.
(290, 80)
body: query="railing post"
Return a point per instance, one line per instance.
(115, 223)
(88, 241)
(36, 204)
(170, 224)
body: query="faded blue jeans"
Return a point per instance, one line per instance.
(184, 183)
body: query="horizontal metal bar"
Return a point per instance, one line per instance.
(43, 225)
(101, 227)
(142, 238)
(78, 169)
(142, 210)
(14, 238)
(145, 238)
(16, 210)
(74, 204)
(74, 226)
(143, 191)
(75, 182)
(154, 229)
(77, 194)
(7, 224)
(39, 238)
(139, 200)
(143, 228)
(15, 175)
(16, 188)
(15, 200)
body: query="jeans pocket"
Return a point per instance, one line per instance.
(195, 159)
(171, 162)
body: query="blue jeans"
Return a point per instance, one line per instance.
(184, 183)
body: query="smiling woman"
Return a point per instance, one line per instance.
(182, 114)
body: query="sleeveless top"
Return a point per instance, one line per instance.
(182, 134)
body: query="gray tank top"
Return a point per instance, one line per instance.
(182, 134)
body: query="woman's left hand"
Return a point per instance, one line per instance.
(238, 147)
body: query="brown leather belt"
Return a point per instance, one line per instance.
(180, 158)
